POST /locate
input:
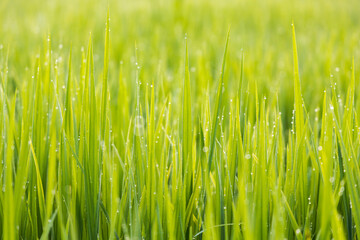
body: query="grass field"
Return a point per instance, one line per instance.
(201, 119)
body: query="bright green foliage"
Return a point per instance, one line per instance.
(142, 135)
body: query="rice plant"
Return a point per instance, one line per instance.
(188, 120)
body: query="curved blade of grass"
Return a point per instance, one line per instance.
(40, 189)
(9, 207)
(217, 109)
(187, 129)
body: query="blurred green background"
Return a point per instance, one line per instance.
(327, 37)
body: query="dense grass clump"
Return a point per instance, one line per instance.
(175, 126)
